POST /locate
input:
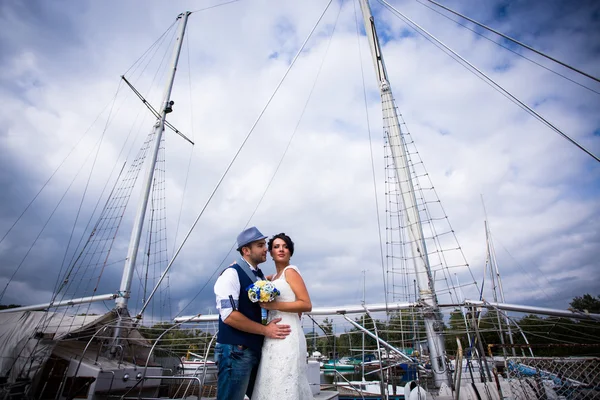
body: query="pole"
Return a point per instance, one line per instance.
(159, 127)
(494, 287)
(363, 333)
(432, 317)
(494, 264)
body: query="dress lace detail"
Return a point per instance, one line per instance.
(282, 369)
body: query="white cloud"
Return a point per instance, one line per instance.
(539, 191)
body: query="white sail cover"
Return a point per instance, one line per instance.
(27, 338)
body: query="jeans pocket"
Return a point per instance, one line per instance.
(238, 351)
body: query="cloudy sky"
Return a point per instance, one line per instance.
(61, 64)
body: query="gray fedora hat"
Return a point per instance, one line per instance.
(248, 236)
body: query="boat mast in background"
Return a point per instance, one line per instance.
(496, 282)
(159, 127)
(431, 314)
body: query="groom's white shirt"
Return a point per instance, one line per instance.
(228, 284)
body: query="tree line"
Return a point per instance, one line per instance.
(405, 330)
(548, 336)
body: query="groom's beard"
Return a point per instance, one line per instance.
(258, 259)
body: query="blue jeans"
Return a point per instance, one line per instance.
(237, 366)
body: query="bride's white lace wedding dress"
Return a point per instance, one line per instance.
(282, 370)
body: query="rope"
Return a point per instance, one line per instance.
(362, 73)
(509, 49)
(276, 168)
(215, 6)
(187, 173)
(487, 79)
(241, 147)
(160, 39)
(517, 42)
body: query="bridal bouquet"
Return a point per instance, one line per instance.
(263, 291)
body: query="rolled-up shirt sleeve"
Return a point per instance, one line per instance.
(227, 291)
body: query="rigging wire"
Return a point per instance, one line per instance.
(509, 49)
(483, 76)
(433, 233)
(55, 171)
(161, 71)
(239, 150)
(430, 221)
(215, 6)
(67, 275)
(45, 321)
(87, 183)
(233, 246)
(151, 222)
(517, 42)
(156, 45)
(187, 173)
(531, 278)
(395, 219)
(153, 110)
(135, 166)
(42, 230)
(276, 168)
(362, 73)
(112, 105)
(95, 245)
(109, 120)
(152, 46)
(152, 89)
(98, 245)
(555, 339)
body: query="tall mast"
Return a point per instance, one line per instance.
(496, 281)
(159, 127)
(362, 364)
(431, 314)
(490, 262)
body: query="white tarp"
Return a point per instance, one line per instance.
(28, 337)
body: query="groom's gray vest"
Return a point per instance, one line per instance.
(228, 334)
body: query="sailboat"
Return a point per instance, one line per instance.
(120, 337)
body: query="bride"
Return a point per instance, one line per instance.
(282, 370)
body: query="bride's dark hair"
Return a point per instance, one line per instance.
(286, 239)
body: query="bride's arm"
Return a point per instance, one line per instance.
(302, 303)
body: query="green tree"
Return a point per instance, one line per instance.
(491, 326)
(325, 342)
(586, 303)
(343, 344)
(178, 341)
(456, 329)
(557, 336)
(311, 341)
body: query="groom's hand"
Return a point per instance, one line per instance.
(274, 331)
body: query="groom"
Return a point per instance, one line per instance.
(241, 333)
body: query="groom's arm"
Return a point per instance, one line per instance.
(239, 321)
(227, 289)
